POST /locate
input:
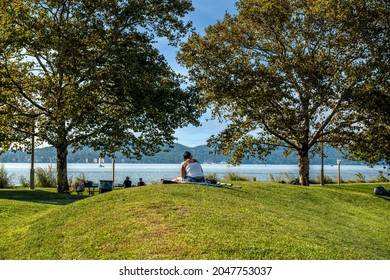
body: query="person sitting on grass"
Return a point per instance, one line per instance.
(141, 182)
(190, 170)
(127, 182)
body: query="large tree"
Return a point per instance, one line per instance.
(286, 73)
(88, 73)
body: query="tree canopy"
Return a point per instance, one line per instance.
(290, 73)
(372, 146)
(88, 73)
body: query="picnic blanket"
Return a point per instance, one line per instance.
(206, 183)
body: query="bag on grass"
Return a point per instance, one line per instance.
(381, 191)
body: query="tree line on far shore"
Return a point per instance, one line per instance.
(174, 156)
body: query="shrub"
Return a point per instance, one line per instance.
(234, 176)
(45, 177)
(212, 176)
(285, 177)
(381, 177)
(70, 181)
(24, 182)
(5, 179)
(272, 178)
(360, 178)
(327, 180)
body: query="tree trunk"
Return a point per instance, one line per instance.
(303, 164)
(62, 169)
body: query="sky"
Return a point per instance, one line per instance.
(207, 12)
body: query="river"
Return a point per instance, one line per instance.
(152, 173)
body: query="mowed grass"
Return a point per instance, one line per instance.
(170, 222)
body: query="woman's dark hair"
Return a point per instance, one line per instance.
(186, 155)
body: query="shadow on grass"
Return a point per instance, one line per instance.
(387, 198)
(234, 188)
(40, 196)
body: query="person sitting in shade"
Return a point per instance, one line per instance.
(127, 182)
(190, 170)
(141, 182)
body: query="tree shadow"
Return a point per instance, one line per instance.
(39, 196)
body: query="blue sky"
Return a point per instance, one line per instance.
(207, 12)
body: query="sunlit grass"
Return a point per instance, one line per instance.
(257, 221)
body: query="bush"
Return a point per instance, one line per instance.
(285, 177)
(24, 182)
(45, 177)
(381, 177)
(327, 180)
(360, 178)
(212, 176)
(5, 179)
(234, 176)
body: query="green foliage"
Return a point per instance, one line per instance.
(212, 176)
(234, 176)
(272, 177)
(24, 182)
(291, 74)
(360, 178)
(373, 145)
(45, 177)
(81, 177)
(189, 222)
(329, 180)
(381, 177)
(284, 177)
(88, 73)
(5, 179)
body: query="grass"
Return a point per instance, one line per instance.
(257, 221)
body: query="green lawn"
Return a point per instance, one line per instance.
(257, 221)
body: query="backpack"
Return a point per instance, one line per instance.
(381, 191)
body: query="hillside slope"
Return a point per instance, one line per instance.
(257, 221)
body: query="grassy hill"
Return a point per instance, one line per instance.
(257, 221)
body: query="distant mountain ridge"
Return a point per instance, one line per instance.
(203, 153)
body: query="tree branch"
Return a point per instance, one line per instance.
(21, 91)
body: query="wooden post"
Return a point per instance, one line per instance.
(338, 171)
(32, 156)
(113, 171)
(322, 165)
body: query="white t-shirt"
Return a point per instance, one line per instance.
(193, 169)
